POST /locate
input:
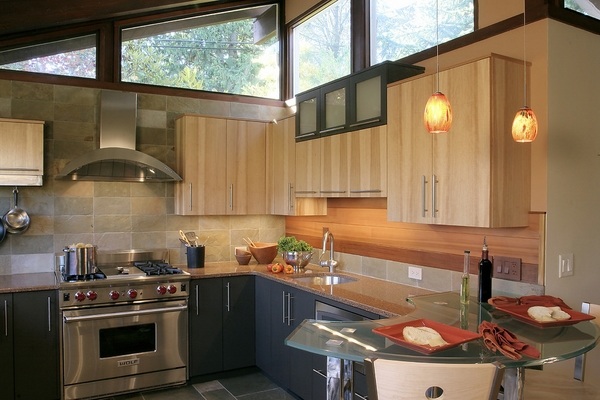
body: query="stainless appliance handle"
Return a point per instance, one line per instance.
(5, 318)
(289, 309)
(227, 306)
(49, 316)
(124, 314)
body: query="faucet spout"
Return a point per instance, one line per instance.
(331, 263)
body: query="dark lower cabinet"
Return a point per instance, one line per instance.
(29, 346)
(7, 377)
(221, 324)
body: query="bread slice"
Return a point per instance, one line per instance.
(423, 335)
(547, 314)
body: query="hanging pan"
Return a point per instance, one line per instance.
(16, 219)
(2, 230)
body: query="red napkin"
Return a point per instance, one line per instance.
(532, 300)
(499, 339)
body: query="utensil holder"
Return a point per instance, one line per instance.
(195, 257)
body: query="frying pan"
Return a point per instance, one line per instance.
(2, 230)
(16, 219)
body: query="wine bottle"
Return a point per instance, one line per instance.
(485, 275)
(464, 283)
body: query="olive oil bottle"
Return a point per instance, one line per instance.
(485, 275)
(464, 284)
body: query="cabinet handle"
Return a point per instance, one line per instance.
(424, 196)
(333, 191)
(319, 372)
(197, 300)
(290, 197)
(191, 206)
(305, 135)
(5, 318)
(306, 191)
(231, 197)
(227, 306)
(361, 397)
(289, 307)
(365, 122)
(333, 129)
(20, 169)
(49, 316)
(283, 306)
(366, 191)
(434, 209)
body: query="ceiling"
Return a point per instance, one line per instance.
(31, 15)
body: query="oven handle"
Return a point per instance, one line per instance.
(124, 314)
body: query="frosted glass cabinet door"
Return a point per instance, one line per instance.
(307, 118)
(368, 99)
(335, 108)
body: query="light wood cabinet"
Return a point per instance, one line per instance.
(21, 153)
(354, 164)
(474, 175)
(223, 166)
(308, 168)
(281, 173)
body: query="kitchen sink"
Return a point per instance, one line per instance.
(324, 279)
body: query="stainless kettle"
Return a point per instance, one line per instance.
(80, 260)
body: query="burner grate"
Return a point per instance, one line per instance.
(157, 268)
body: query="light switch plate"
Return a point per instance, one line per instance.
(565, 265)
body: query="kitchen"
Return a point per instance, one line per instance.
(126, 215)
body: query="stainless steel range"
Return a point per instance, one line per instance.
(124, 327)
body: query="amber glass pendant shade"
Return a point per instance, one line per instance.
(438, 114)
(525, 126)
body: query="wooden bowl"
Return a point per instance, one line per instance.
(264, 253)
(243, 259)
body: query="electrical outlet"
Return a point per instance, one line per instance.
(565, 265)
(415, 273)
(509, 268)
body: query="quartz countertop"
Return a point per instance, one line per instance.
(374, 295)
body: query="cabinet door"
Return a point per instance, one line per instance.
(281, 168)
(246, 167)
(205, 327)
(368, 162)
(334, 166)
(7, 376)
(461, 157)
(36, 344)
(22, 152)
(308, 168)
(409, 152)
(238, 322)
(201, 151)
(264, 320)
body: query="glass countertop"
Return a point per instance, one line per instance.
(356, 340)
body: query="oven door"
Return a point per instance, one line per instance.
(122, 341)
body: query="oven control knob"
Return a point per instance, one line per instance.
(172, 289)
(92, 295)
(132, 293)
(161, 289)
(80, 296)
(114, 295)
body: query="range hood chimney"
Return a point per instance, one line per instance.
(117, 159)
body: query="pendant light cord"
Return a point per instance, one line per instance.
(524, 57)
(437, 43)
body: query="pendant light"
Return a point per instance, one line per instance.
(524, 126)
(438, 113)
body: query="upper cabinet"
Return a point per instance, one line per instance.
(223, 165)
(21, 153)
(474, 175)
(351, 103)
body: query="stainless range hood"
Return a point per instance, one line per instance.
(117, 159)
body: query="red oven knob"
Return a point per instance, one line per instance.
(114, 295)
(172, 289)
(92, 295)
(161, 289)
(132, 293)
(80, 296)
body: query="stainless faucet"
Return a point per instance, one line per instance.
(331, 263)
